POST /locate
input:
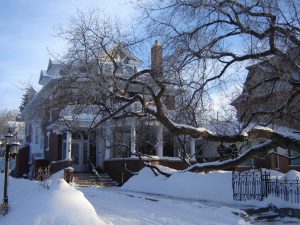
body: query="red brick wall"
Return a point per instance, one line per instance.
(284, 164)
(270, 163)
(22, 160)
(55, 147)
(157, 61)
(59, 165)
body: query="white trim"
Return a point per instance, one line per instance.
(132, 137)
(160, 139)
(192, 147)
(48, 141)
(68, 145)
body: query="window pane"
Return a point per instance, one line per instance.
(64, 147)
(297, 160)
(75, 153)
(85, 153)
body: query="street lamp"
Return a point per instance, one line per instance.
(11, 149)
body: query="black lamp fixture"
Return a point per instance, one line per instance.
(11, 149)
(9, 135)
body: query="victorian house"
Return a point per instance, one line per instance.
(51, 141)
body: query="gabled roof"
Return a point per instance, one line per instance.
(292, 54)
(44, 77)
(130, 54)
(52, 72)
(281, 65)
(48, 79)
(51, 63)
(126, 52)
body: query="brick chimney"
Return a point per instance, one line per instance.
(157, 60)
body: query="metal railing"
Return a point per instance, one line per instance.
(250, 184)
(288, 190)
(94, 171)
(257, 185)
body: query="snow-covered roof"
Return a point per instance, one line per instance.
(52, 63)
(52, 72)
(225, 127)
(44, 77)
(130, 55)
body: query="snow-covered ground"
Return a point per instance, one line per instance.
(123, 208)
(214, 186)
(30, 203)
(184, 198)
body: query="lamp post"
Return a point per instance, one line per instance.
(11, 148)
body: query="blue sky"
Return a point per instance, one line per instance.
(27, 32)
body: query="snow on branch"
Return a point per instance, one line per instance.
(285, 140)
(154, 168)
(204, 167)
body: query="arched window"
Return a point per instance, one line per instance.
(77, 136)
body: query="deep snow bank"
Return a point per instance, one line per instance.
(32, 204)
(214, 186)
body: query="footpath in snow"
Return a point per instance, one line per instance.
(126, 208)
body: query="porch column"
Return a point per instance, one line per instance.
(192, 147)
(108, 141)
(99, 156)
(69, 145)
(160, 140)
(132, 137)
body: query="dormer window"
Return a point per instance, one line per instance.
(122, 55)
(126, 60)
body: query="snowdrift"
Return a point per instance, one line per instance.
(213, 186)
(32, 204)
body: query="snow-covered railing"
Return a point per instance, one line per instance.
(94, 171)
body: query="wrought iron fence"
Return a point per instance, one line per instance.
(257, 185)
(288, 190)
(250, 184)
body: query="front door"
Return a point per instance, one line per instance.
(80, 156)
